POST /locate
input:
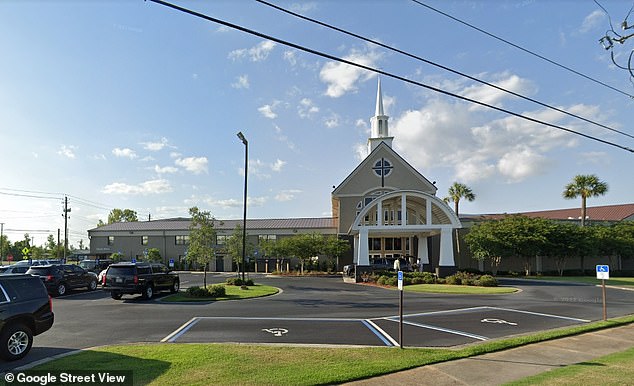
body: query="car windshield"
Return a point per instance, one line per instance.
(4, 269)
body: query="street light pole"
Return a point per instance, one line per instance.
(244, 217)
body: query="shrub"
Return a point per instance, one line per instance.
(197, 292)
(216, 290)
(234, 281)
(418, 280)
(487, 281)
(453, 280)
(392, 281)
(382, 280)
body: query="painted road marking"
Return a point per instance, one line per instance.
(442, 329)
(498, 321)
(276, 331)
(181, 330)
(382, 335)
(541, 314)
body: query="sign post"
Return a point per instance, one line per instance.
(603, 273)
(400, 308)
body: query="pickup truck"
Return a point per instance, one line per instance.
(139, 278)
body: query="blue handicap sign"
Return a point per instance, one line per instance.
(134, 260)
(603, 268)
(400, 275)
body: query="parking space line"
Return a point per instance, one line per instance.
(541, 314)
(378, 331)
(181, 330)
(443, 312)
(282, 319)
(447, 330)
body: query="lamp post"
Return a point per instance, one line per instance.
(244, 217)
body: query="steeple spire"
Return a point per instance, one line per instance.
(379, 101)
(379, 131)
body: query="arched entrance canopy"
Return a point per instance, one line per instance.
(424, 215)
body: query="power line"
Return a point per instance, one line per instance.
(522, 48)
(28, 195)
(385, 73)
(440, 66)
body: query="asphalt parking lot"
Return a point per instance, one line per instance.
(321, 311)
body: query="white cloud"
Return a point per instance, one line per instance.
(287, 195)
(342, 78)
(267, 111)
(332, 121)
(284, 139)
(277, 165)
(451, 134)
(67, 151)
(591, 21)
(303, 7)
(144, 188)
(242, 81)
(156, 146)
(290, 57)
(196, 165)
(307, 108)
(256, 53)
(124, 153)
(493, 96)
(165, 169)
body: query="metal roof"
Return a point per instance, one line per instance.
(594, 213)
(177, 224)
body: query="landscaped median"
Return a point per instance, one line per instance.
(241, 364)
(234, 289)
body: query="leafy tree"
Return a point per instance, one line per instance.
(233, 246)
(565, 241)
(458, 191)
(115, 257)
(5, 246)
(335, 247)
(519, 236)
(486, 243)
(202, 236)
(585, 186)
(120, 215)
(154, 254)
(305, 247)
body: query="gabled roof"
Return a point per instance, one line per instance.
(594, 213)
(381, 147)
(182, 224)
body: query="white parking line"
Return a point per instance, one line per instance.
(541, 314)
(180, 331)
(378, 331)
(447, 330)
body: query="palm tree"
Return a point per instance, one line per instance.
(585, 186)
(457, 192)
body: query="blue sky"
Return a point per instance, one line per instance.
(130, 104)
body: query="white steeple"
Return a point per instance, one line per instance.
(378, 123)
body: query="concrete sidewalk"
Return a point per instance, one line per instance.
(513, 364)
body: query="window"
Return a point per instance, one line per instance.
(389, 244)
(110, 240)
(182, 240)
(382, 167)
(144, 240)
(221, 239)
(272, 238)
(374, 243)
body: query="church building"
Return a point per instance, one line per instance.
(390, 210)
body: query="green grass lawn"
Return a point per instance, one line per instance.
(615, 281)
(613, 369)
(243, 364)
(232, 293)
(457, 289)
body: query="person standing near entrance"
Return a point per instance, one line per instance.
(397, 265)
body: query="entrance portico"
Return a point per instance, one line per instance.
(425, 215)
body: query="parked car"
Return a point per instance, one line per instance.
(26, 310)
(13, 268)
(96, 265)
(60, 278)
(139, 278)
(30, 263)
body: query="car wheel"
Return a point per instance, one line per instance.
(16, 342)
(175, 286)
(148, 292)
(115, 295)
(61, 289)
(93, 285)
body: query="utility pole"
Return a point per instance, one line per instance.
(58, 244)
(1, 242)
(66, 211)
